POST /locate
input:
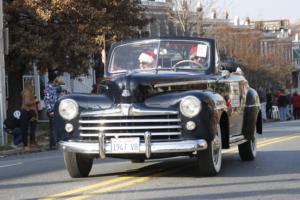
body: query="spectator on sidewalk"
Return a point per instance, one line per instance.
(13, 125)
(96, 88)
(29, 114)
(289, 106)
(296, 105)
(276, 96)
(282, 105)
(51, 95)
(269, 104)
(262, 99)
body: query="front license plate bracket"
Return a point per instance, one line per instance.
(125, 145)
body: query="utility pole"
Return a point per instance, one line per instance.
(3, 137)
(199, 9)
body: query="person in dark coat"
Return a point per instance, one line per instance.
(289, 106)
(282, 105)
(269, 104)
(14, 124)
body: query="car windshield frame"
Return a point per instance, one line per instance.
(160, 48)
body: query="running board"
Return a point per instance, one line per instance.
(236, 140)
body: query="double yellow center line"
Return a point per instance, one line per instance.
(123, 181)
(267, 142)
(126, 181)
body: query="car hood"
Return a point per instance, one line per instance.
(138, 86)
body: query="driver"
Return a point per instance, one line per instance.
(197, 55)
(147, 60)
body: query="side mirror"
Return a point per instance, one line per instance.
(224, 75)
(229, 64)
(239, 71)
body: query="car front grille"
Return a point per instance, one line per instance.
(166, 126)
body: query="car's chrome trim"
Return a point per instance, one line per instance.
(155, 147)
(221, 108)
(101, 137)
(106, 121)
(236, 140)
(130, 134)
(128, 110)
(130, 120)
(147, 138)
(183, 83)
(103, 128)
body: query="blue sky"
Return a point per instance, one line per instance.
(264, 9)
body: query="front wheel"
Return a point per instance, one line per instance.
(210, 160)
(247, 150)
(78, 165)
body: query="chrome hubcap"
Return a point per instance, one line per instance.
(253, 145)
(216, 148)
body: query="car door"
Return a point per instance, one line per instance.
(237, 102)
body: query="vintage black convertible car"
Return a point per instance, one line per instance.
(161, 97)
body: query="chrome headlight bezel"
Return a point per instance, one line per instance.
(68, 109)
(195, 106)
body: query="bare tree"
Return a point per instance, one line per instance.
(188, 15)
(263, 66)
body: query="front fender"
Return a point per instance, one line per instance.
(212, 106)
(251, 115)
(85, 103)
(89, 102)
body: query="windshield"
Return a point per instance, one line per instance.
(160, 55)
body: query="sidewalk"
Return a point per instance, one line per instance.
(42, 137)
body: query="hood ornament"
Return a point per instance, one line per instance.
(125, 109)
(126, 93)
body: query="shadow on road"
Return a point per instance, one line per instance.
(255, 194)
(267, 163)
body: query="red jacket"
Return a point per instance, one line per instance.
(296, 101)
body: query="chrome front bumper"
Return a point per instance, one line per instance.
(146, 147)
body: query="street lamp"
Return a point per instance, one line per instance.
(199, 7)
(3, 138)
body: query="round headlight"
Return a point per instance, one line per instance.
(68, 109)
(190, 106)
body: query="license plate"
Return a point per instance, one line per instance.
(125, 145)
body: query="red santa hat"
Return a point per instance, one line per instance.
(193, 52)
(147, 57)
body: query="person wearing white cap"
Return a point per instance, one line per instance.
(147, 60)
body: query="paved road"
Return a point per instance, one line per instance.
(275, 174)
